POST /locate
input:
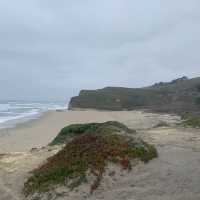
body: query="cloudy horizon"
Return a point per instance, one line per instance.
(52, 49)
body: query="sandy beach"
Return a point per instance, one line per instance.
(40, 132)
(173, 175)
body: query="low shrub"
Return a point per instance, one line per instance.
(78, 129)
(89, 152)
(192, 121)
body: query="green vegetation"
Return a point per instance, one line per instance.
(87, 153)
(178, 96)
(78, 129)
(192, 121)
(197, 100)
(198, 87)
(115, 99)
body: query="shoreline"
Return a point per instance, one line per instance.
(16, 132)
(177, 164)
(39, 132)
(25, 123)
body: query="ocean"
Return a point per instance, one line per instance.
(15, 112)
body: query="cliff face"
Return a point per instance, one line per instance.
(178, 96)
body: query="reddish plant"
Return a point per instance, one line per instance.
(88, 152)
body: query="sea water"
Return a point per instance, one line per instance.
(15, 112)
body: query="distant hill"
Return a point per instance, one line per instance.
(178, 96)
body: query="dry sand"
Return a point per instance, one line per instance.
(175, 175)
(40, 132)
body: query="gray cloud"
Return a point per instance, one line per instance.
(52, 49)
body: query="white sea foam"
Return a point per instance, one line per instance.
(12, 113)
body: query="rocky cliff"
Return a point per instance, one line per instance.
(178, 96)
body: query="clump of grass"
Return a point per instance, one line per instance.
(192, 121)
(78, 129)
(90, 152)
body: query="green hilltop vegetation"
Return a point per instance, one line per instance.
(178, 96)
(191, 121)
(88, 148)
(78, 129)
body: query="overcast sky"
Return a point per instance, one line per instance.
(51, 49)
